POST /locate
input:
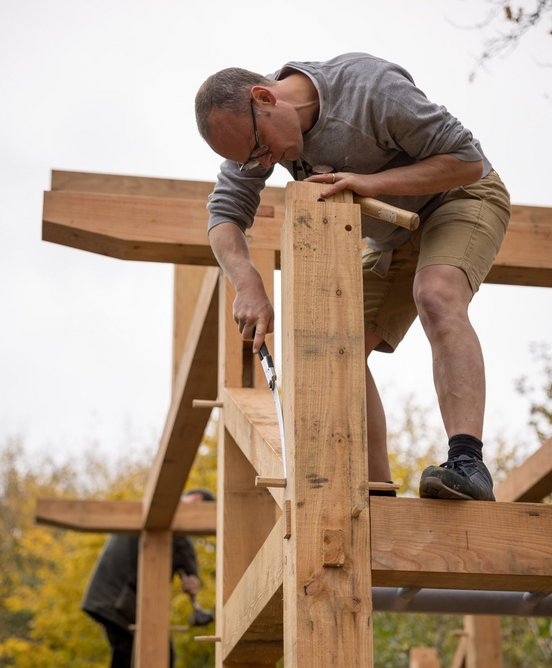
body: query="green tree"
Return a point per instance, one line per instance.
(43, 571)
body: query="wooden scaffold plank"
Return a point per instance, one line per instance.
(494, 546)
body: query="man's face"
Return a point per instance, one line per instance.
(233, 137)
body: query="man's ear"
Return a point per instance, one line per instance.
(261, 95)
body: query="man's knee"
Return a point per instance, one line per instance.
(441, 293)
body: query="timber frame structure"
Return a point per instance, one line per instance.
(295, 565)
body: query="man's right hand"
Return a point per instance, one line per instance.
(253, 311)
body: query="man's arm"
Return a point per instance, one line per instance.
(253, 311)
(435, 174)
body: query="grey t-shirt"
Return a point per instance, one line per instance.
(372, 117)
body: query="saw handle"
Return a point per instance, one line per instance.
(263, 352)
(388, 213)
(268, 366)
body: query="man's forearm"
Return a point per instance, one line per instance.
(252, 309)
(230, 249)
(436, 174)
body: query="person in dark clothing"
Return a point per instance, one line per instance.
(110, 598)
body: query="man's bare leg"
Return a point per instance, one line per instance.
(442, 295)
(376, 424)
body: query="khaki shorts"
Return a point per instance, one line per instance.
(465, 231)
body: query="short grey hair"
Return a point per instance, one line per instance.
(228, 89)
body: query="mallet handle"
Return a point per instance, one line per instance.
(390, 214)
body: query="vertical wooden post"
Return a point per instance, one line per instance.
(484, 645)
(424, 657)
(188, 281)
(151, 645)
(245, 513)
(327, 575)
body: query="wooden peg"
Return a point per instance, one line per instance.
(206, 403)
(287, 519)
(383, 486)
(270, 482)
(357, 509)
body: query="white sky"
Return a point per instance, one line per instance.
(109, 85)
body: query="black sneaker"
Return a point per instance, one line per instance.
(460, 477)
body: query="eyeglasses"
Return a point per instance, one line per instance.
(258, 150)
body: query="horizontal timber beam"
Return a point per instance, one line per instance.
(525, 257)
(461, 545)
(531, 481)
(250, 417)
(120, 184)
(185, 426)
(92, 515)
(165, 220)
(136, 227)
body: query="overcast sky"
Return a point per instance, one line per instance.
(108, 86)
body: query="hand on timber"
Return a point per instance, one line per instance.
(364, 195)
(253, 314)
(361, 184)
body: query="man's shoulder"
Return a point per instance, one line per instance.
(346, 64)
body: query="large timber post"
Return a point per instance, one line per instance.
(327, 578)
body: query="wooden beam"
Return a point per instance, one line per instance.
(459, 658)
(135, 227)
(188, 281)
(481, 648)
(457, 545)
(185, 425)
(250, 416)
(531, 481)
(151, 641)
(525, 257)
(137, 218)
(253, 615)
(424, 657)
(327, 589)
(118, 184)
(197, 519)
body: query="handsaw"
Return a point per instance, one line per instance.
(270, 373)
